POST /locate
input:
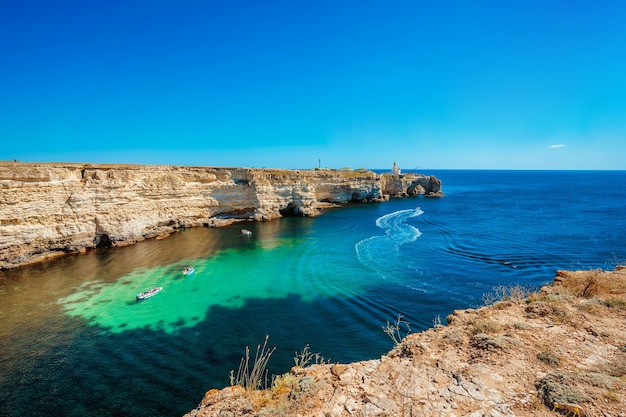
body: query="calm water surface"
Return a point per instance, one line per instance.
(74, 342)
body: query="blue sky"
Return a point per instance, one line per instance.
(451, 84)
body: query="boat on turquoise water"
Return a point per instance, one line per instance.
(149, 293)
(246, 232)
(188, 270)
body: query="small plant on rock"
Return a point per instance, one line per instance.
(549, 357)
(394, 330)
(559, 388)
(513, 292)
(484, 326)
(482, 341)
(253, 378)
(304, 357)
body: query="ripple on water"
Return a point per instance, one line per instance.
(270, 270)
(381, 253)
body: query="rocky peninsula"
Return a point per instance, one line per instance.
(558, 351)
(52, 209)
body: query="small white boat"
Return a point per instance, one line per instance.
(188, 270)
(246, 232)
(147, 294)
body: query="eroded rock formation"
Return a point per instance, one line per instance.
(52, 209)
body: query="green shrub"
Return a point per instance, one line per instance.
(559, 388)
(549, 357)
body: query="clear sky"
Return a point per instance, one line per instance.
(534, 84)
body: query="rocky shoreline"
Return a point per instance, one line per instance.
(54, 209)
(559, 351)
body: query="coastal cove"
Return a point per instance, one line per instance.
(51, 209)
(75, 342)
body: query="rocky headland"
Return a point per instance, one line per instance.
(557, 351)
(51, 209)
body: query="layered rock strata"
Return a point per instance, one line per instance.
(52, 209)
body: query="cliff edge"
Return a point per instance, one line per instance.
(52, 209)
(559, 351)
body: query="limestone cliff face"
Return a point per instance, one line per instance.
(50, 209)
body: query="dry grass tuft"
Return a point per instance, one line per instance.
(253, 375)
(484, 326)
(615, 303)
(548, 356)
(395, 330)
(515, 292)
(306, 357)
(482, 341)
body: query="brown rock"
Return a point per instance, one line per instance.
(534, 361)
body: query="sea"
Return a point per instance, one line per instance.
(75, 342)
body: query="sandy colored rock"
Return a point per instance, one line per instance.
(508, 359)
(52, 209)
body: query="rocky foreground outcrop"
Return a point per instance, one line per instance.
(558, 351)
(53, 209)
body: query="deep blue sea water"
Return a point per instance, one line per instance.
(74, 342)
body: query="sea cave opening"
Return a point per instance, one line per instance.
(102, 240)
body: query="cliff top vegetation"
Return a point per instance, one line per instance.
(557, 351)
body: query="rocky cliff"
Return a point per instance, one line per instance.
(560, 351)
(52, 209)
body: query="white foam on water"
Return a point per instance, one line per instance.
(381, 253)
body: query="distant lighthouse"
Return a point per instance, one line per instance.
(395, 169)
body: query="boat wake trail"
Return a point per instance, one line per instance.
(382, 253)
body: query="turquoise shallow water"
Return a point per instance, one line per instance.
(261, 269)
(74, 341)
